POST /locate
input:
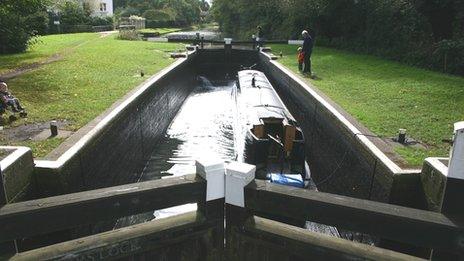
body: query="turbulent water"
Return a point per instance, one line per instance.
(203, 127)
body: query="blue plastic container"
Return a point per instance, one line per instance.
(294, 180)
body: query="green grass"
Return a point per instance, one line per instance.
(43, 49)
(386, 95)
(88, 79)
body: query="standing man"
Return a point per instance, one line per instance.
(307, 51)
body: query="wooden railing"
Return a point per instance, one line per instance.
(200, 232)
(261, 230)
(255, 226)
(408, 225)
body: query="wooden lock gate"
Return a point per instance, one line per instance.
(262, 230)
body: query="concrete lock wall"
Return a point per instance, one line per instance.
(113, 148)
(342, 159)
(17, 169)
(433, 181)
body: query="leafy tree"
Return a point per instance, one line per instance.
(181, 12)
(20, 21)
(159, 15)
(73, 13)
(412, 31)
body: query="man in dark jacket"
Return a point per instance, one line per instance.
(307, 50)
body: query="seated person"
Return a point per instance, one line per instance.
(8, 100)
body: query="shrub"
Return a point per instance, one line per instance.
(101, 21)
(20, 21)
(157, 15)
(72, 13)
(128, 34)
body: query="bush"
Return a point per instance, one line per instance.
(157, 15)
(101, 21)
(20, 21)
(449, 55)
(131, 35)
(158, 24)
(127, 12)
(72, 13)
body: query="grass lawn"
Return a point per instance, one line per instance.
(386, 95)
(45, 48)
(93, 73)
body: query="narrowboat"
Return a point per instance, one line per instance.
(266, 134)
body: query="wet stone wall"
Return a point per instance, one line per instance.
(120, 150)
(117, 154)
(119, 157)
(338, 162)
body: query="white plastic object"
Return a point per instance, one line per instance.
(456, 165)
(228, 40)
(238, 175)
(212, 170)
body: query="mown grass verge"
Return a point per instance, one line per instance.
(385, 96)
(91, 74)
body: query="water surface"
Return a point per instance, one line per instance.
(203, 127)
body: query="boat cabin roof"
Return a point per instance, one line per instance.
(259, 99)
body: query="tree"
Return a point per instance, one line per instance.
(420, 32)
(20, 21)
(181, 12)
(73, 13)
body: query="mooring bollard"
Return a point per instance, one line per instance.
(54, 128)
(402, 136)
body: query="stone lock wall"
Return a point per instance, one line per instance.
(114, 147)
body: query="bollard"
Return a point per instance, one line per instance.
(402, 136)
(54, 128)
(202, 42)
